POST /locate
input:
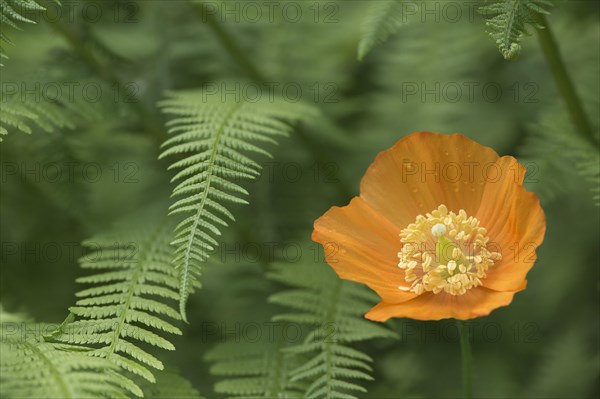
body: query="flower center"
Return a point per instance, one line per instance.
(445, 251)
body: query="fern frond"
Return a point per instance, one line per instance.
(12, 14)
(254, 370)
(215, 135)
(43, 370)
(589, 169)
(125, 308)
(31, 368)
(334, 310)
(384, 18)
(24, 114)
(557, 152)
(507, 21)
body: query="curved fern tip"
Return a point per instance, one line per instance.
(182, 312)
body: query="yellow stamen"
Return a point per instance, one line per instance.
(461, 257)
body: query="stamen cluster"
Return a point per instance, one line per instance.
(445, 251)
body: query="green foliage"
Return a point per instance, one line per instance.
(333, 309)
(384, 18)
(42, 370)
(555, 152)
(110, 346)
(125, 304)
(169, 385)
(25, 113)
(11, 14)
(254, 370)
(507, 21)
(32, 368)
(219, 133)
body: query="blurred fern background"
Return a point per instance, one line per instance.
(226, 128)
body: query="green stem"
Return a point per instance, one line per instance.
(564, 82)
(465, 349)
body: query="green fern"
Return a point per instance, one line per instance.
(254, 370)
(384, 18)
(508, 20)
(216, 133)
(43, 370)
(125, 304)
(25, 114)
(589, 169)
(32, 368)
(334, 310)
(11, 14)
(556, 152)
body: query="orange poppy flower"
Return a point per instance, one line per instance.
(442, 228)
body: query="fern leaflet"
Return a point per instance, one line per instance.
(384, 18)
(254, 370)
(508, 20)
(125, 304)
(24, 113)
(12, 13)
(333, 309)
(216, 134)
(554, 150)
(31, 368)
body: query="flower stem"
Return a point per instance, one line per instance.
(465, 348)
(564, 81)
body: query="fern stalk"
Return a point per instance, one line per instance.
(184, 275)
(120, 313)
(564, 81)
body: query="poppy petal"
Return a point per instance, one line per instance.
(477, 302)
(361, 245)
(516, 224)
(424, 170)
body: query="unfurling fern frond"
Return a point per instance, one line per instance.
(125, 307)
(215, 134)
(507, 21)
(334, 310)
(254, 370)
(11, 14)
(31, 368)
(384, 18)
